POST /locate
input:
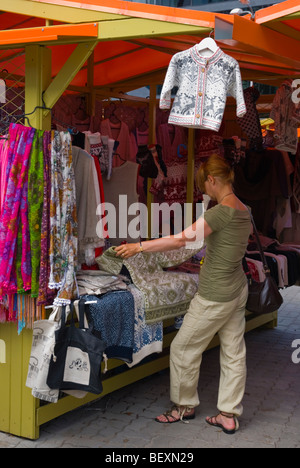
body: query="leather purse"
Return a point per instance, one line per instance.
(263, 297)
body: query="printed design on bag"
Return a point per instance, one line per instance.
(76, 362)
(79, 365)
(33, 366)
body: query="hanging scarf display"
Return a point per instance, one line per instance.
(14, 209)
(45, 295)
(63, 219)
(38, 223)
(35, 207)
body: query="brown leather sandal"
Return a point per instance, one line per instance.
(224, 429)
(184, 415)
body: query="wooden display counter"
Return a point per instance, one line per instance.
(22, 415)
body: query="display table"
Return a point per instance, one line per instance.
(22, 415)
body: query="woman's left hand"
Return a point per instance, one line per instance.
(127, 250)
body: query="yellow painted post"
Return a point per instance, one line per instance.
(5, 379)
(37, 79)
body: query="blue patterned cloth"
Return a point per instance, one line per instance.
(113, 317)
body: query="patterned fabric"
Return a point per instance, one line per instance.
(35, 207)
(148, 339)
(46, 295)
(250, 123)
(166, 293)
(173, 187)
(23, 256)
(203, 84)
(63, 219)
(13, 212)
(296, 181)
(3, 167)
(113, 317)
(286, 116)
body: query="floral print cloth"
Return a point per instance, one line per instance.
(63, 219)
(45, 295)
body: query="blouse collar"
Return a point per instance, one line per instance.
(205, 60)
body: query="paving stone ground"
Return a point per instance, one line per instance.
(125, 419)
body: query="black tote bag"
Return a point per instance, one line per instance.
(78, 353)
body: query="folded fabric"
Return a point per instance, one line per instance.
(166, 293)
(99, 282)
(113, 316)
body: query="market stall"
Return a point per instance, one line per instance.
(101, 53)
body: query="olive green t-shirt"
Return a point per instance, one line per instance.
(221, 276)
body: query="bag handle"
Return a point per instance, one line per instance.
(264, 261)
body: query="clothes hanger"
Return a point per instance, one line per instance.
(207, 43)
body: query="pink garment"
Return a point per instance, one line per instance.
(173, 140)
(119, 132)
(3, 168)
(13, 214)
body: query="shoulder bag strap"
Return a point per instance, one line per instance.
(264, 261)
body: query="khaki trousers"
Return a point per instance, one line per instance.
(202, 321)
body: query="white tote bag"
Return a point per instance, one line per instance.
(43, 342)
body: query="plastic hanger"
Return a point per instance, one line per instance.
(207, 43)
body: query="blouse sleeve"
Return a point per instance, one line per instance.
(217, 218)
(236, 91)
(170, 81)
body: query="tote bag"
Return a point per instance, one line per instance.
(78, 353)
(43, 342)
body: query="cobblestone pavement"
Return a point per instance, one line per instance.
(125, 419)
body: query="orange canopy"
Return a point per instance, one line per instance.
(133, 42)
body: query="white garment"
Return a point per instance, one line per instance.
(203, 85)
(121, 192)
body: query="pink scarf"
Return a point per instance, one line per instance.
(14, 210)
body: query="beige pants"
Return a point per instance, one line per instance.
(202, 321)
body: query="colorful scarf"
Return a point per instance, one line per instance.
(14, 209)
(35, 207)
(63, 219)
(46, 295)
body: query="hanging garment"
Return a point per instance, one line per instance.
(123, 183)
(250, 123)
(286, 116)
(3, 169)
(35, 206)
(296, 180)
(14, 211)
(45, 295)
(173, 141)
(173, 187)
(119, 132)
(87, 200)
(203, 84)
(63, 219)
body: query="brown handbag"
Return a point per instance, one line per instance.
(263, 297)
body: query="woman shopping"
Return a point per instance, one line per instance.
(219, 304)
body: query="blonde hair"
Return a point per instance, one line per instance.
(215, 166)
